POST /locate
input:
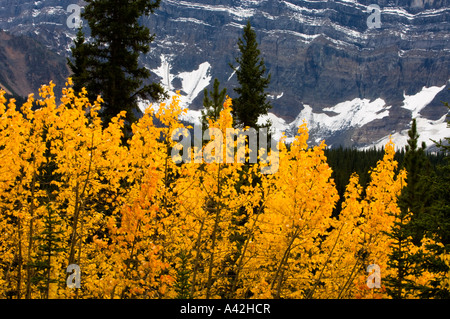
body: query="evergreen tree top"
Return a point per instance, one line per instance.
(250, 71)
(109, 64)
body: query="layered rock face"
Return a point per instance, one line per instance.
(319, 53)
(26, 64)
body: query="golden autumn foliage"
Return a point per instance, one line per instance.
(141, 226)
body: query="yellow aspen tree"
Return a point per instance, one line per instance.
(372, 247)
(208, 201)
(287, 247)
(208, 216)
(142, 224)
(133, 254)
(88, 161)
(357, 239)
(342, 245)
(71, 141)
(153, 222)
(15, 178)
(22, 193)
(167, 226)
(121, 171)
(381, 197)
(253, 207)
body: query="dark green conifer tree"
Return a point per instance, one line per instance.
(78, 66)
(50, 243)
(251, 101)
(108, 65)
(415, 196)
(182, 284)
(435, 224)
(213, 103)
(412, 202)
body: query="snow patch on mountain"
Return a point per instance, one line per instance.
(359, 112)
(239, 13)
(342, 116)
(415, 103)
(307, 38)
(192, 84)
(428, 130)
(163, 71)
(354, 113)
(191, 20)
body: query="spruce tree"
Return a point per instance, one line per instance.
(50, 244)
(251, 101)
(415, 196)
(183, 273)
(213, 104)
(436, 225)
(111, 58)
(407, 229)
(78, 66)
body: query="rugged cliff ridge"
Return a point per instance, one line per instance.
(320, 54)
(26, 64)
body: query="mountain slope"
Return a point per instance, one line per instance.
(26, 64)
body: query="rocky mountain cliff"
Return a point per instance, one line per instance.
(25, 65)
(355, 85)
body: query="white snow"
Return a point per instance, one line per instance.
(233, 73)
(54, 10)
(234, 25)
(268, 16)
(275, 97)
(238, 12)
(278, 126)
(191, 20)
(428, 130)
(295, 33)
(402, 12)
(348, 114)
(163, 71)
(342, 116)
(192, 84)
(298, 8)
(354, 113)
(415, 103)
(358, 112)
